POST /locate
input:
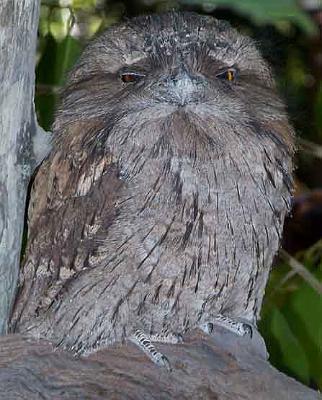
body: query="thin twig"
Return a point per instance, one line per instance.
(282, 282)
(301, 270)
(309, 147)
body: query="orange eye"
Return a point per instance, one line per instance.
(131, 77)
(228, 75)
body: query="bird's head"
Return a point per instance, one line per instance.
(191, 80)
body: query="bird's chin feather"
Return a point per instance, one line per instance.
(198, 132)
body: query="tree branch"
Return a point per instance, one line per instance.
(18, 133)
(300, 269)
(223, 367)
(308, 147)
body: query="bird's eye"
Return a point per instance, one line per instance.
(131, 77)
(228, 75)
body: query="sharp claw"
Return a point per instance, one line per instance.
(180, 338)
(207, 328)
(144, 343)
(248, 330)
(164, 362)
(210, 327)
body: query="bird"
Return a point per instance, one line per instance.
(161, 205)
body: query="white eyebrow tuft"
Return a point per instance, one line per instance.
(133, 57)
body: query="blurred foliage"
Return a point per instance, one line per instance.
(261, 12)
(291, 317)
(291, 320)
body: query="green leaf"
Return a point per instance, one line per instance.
(304, 315)
(59, 23)
(68, 51)
(292, 308)
(293, 357)
(86, 5)
(57, 59)
(262, 11)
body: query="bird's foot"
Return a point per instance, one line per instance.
(144, 342)
(237, 327)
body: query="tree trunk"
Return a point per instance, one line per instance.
(223, 367)
(20, 138)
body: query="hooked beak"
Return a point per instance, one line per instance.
(182, 87)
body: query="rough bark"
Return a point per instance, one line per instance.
(21, 141)
(223, 367)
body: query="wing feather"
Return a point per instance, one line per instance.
(72, 200)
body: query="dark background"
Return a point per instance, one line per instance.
(289, 34)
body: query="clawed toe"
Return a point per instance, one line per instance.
(179, 338)
(237, 327)
(248, 330)
(164, 363)
(208, 328)
(143, 341)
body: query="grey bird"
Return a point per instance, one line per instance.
(161, 205)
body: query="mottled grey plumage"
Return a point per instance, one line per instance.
(162, 203)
